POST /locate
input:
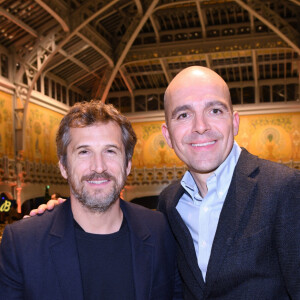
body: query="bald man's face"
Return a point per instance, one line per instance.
(200, 123)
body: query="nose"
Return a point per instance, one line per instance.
(200, 123)
(98, 164)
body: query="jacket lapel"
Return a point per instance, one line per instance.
(234, 214)
(142, 251)
(182, 234)
(63, 251)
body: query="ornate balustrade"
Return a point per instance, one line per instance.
(152, 176)
(28, 172)
(34, 172)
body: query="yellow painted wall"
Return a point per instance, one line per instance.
(41, 128)
(151, 148)
(6, 125)
(271, 136)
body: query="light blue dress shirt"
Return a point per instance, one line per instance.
(201, 215)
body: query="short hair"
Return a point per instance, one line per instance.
(86, 114)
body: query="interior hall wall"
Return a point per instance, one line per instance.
(39, 156)
(274, 137)
(41, 128)
(6, 125)
(271, 136)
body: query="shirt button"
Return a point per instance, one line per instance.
(205, 209)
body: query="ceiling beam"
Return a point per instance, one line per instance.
(285, 31)
(125, 44)
(79, 47)
(18, 22)
(255, 75)
(77, 77)
(96, 41)
(78, 22)
(297, 2)
(166, 69)
(54, 50)
(75, 61)
(198, 47)
(139, 7)
(126, 77)
(58, 10)
(201, 18)
(156, 27)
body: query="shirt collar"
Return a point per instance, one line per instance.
(223, 174)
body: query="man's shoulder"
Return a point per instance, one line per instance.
(266, 169)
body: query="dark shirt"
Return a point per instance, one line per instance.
(106, 264)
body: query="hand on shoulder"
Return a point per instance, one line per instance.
(43, 207)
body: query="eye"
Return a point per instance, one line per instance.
(182, 116)
(81, 152)
(216, 111)
(111, 151)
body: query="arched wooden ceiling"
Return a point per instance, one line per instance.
(107, 47)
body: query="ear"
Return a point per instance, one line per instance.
(128, 168)
(165, 132)
(236, 122)
(63, 171)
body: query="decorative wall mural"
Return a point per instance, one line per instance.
(272, 136)
(6, 125)
(41, 128)
(151, 149)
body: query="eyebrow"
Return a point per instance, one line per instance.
(79, 147)
(88, 146)
(217, 103)
(112, 146)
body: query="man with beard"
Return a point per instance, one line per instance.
(94, 245)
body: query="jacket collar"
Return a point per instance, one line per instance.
(64, 255)
(142, 249)
(234, 214)
(181, 232)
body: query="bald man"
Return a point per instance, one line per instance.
(236, 218)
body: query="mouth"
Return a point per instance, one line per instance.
(97, 181)
(203, 144)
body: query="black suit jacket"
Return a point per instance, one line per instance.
(256, 249)
(39, 259)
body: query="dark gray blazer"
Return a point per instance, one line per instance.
(39, 259)
(256, 249)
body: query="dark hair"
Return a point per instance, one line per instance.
(86, 114)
